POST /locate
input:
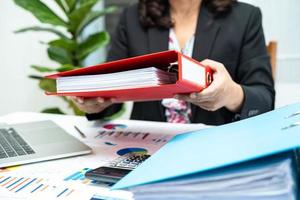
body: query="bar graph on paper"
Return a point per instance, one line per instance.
(62, 186)
(130, 135)
(29, 186)
(121, 131)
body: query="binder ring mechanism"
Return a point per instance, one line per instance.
(173, 67)
(294, 124)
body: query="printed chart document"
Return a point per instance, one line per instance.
(64, 178)
(145, 77)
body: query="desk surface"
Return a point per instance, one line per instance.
(65, 176)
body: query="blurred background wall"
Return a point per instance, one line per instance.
(19, 51)
(281, 21)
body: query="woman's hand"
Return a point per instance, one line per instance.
(92, 105)
(223, 91)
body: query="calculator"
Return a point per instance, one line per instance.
(113, 171)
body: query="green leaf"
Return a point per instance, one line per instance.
(37, 28)
(64, 99)
(93, 15)
(67, 5)
(67, 44)
(66, 67)
(77, 16)
(48, 85)
(42, 69)
(35, 77)
(71, 4)
(53, 111)
(63, 68)
(75, 109)
(82, 2)
(42, 12)
(59, 55)
(61, 4)
(92, 43)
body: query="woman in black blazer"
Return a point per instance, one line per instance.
(228, 36)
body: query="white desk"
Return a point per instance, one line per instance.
(56, 171)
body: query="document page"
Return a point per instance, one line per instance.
(64, 178)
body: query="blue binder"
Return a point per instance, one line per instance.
(199, 151)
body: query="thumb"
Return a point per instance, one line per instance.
(215, 66)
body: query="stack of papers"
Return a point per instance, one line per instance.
(263, 180)
(150, 76)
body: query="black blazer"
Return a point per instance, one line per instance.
(236, 40)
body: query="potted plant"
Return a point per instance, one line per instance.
(68, 49)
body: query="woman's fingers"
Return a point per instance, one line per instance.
(214, 65)
(92, 105)
(183, 97)
(79, 100)
(206, 94)
(100, 100)
(190, 99)
(209, 104)
(223, 91)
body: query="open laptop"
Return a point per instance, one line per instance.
(36, 141)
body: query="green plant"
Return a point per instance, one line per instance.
(68, 49)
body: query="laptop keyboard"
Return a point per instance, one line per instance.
(12, 144)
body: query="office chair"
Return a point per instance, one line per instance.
(272, 51)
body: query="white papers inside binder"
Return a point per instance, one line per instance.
(120, 80)
(261, 181)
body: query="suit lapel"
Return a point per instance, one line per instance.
(158, 39)
(206, 32)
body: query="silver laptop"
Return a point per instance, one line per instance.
(36, 141)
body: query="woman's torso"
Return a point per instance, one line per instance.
(219, 39)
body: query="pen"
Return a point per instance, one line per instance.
(80, 132)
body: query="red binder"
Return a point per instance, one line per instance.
(192, 77)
